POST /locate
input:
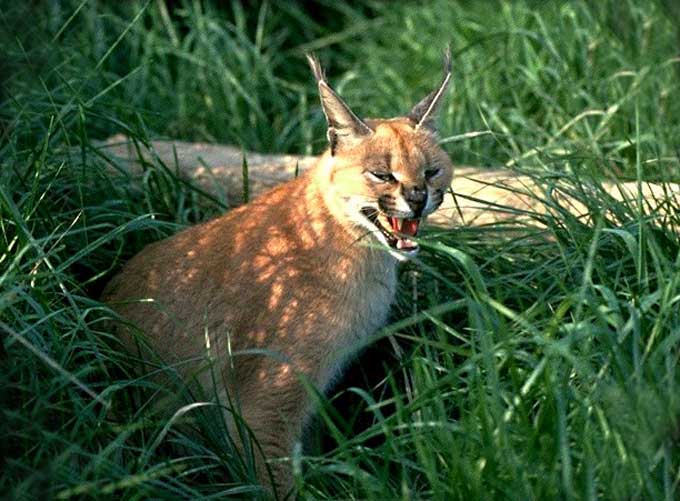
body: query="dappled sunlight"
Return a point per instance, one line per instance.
(284, 288)
(276, 273)
(296, 276)
(281, 289)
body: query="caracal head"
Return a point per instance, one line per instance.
(386, 175)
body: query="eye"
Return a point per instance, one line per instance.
(382, 176)
(430, 173)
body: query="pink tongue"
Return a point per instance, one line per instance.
(409, 226)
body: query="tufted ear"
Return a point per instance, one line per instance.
(345, 129)
(424, 114)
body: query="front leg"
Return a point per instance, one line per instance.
(274, 407)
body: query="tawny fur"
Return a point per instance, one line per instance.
(297, 273)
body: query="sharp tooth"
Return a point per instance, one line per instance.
(400, 223)
(406, 244)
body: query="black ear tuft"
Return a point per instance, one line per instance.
(316, 67)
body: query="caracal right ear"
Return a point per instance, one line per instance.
(424, 114)
(345, 129)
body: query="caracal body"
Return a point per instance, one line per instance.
(300, 275)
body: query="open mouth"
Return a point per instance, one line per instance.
(396, 230)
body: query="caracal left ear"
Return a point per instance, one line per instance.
(424, 114)
(345, 129)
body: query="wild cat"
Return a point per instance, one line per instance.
(283, 287)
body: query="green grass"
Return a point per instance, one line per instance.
(520, 364)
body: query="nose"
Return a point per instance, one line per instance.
(416, 197)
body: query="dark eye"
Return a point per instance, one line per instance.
(383, 176)
(430, 173)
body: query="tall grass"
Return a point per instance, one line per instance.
(520, 364)
(562, 81)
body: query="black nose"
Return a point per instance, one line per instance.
(416, 197)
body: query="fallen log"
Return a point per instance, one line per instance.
(479, 196)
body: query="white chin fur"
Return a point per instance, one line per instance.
(404, 255)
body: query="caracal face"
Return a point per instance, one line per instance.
(388, 183)
(386, 175)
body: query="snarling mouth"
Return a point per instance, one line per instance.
(395, 230)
